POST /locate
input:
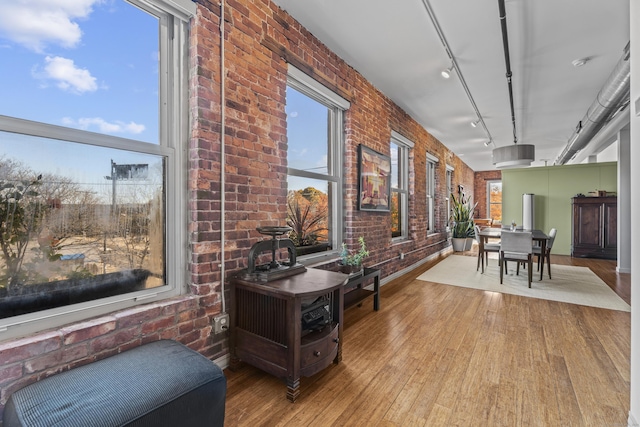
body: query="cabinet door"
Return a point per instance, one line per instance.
(587, 220)
(610, 224)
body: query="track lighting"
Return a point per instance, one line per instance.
(488, 143)
(447, 72)
(475, 124)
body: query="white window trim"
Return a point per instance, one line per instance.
(306, 85)
(432, 162)
(174, 135)
(404, 144)
(451, 169)
(488, 192)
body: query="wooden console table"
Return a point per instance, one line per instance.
(275, 325)
(355, 293)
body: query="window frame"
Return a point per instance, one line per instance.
(449, 186)
(431, 165)
(404, 146)
(488, 191)
(337, 106)
(173, 120)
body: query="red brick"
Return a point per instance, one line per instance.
(87, 330)
(25, 348)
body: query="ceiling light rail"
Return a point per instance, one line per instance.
(454, 65)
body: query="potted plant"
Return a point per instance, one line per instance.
(461, 222)
(351, 262)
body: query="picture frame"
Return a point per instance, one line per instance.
(374, 180)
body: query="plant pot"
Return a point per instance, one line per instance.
(351, 270)
(460, 243)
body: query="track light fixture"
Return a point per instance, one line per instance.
(446, 73)
(488, 143)
(475, 124)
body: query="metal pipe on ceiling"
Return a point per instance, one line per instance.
(612, 99)
(507, 61)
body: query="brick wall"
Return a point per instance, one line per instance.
(258, 36)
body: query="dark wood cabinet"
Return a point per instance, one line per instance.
(594, 225)
(290, 327)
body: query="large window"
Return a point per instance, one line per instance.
(494, 200)
(399, 150)
(432, 161)
(91, 131)
(449, 184)
(314, 156)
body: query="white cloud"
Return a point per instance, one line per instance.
(38, 23)
(100, 125)
(66, 75)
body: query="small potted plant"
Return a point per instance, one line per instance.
(351, 263)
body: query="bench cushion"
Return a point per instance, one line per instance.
(162, 383)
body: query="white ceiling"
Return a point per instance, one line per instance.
(395, 45)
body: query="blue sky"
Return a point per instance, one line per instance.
(307, 139)
(84, 64)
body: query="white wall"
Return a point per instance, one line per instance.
(634, 414)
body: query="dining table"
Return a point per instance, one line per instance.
(495, 233)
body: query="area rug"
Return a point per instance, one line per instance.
(575, 285)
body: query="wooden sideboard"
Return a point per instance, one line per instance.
(594, 227)
(290, 327)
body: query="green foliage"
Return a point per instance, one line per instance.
(354, 258)
(462, 216)
(79, 273)
(307, 213)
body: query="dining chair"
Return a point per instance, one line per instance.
(487, 247)
(516, 246)
(537, 250)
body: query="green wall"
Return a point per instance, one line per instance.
(554, 186)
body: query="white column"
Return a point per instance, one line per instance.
(634, 15)
(624, 200)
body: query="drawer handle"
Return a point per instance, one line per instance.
(316, 353)
(336, 340)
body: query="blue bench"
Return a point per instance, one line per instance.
(162, 383)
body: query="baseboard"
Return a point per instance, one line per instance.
(406, 270)
(631, 422)
(223, 361)
(623, 270)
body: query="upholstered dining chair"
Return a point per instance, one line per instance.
(516, 246)
(537, 250)
(488, 247)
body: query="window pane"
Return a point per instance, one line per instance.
(68, 66)
(77, 223)
(495, 200)
(307, 133)
(308, 214)
(395, 170)
(396, 217)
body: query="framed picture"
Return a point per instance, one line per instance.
(374, 186)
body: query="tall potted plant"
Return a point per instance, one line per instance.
(461, 220)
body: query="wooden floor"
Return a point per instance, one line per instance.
(438, 355)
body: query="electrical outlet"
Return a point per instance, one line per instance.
(401, 255)
(220, 323)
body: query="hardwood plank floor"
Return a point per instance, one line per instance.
(438, 355)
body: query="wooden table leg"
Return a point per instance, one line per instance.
(543, 249)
